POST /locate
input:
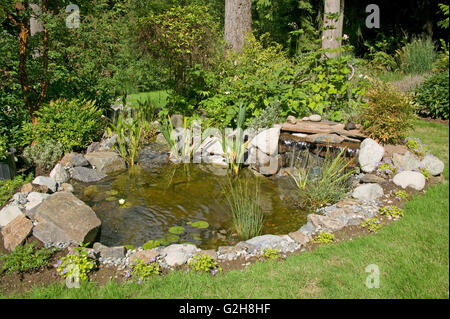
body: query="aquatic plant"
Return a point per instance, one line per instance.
(247, 215)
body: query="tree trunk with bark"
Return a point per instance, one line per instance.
(333, 23)
(238, 22)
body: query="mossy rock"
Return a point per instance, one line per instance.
(91, 191)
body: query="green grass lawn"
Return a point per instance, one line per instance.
(158, 98)
(412, 255)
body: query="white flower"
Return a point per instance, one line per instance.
(345, 37)
(121, 201)
(227, 92)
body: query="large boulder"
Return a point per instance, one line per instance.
(282, 243)
(179, 254)
(326, 223)
(106, 162)
(411, 179)
(86, 175)
(65, 218)
(406, 162)
(8, 213)
(74, 160)
(48, 182)
(16, 232)
(368, 192)
(433, 165)
(266, 141)
(370, 153)
(35, 199)
(109, 252)
(153, 154)
(59, 174)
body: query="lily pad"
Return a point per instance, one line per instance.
(151, 244)
(110, 199)
(199, 224)
(126, 205)
(196, 236)
(172, 238)
(177, 230)
(188, 243)
(112, 192)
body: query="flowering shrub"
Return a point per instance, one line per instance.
(385, 169)
(324, 238)
(392, 211)
(76, 264)
(142, 271)
(372, 224)
(416, 146)
(3, 147)
(204, 263)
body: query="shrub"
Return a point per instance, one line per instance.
(324, 238)
(246, 213)
(44, 155)
(3, 147)
(7, 187)
(389, 113)
(433, 96)
(420, 55)
(75, 124)
(372, 224)
(392, 211)
(328, 186)
(26, 258)
(76, 264)
(141, 271)
(204, 263)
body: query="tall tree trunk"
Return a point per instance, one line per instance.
(333, 23)
(238, 22)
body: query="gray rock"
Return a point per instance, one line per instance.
(326, 223)
(291, 119)
(74, 160)
(45, 181)
(299, 237)
(268, 241)
(433, 165)
(267, 141)
(65, 218)
(153, 155)
(368, 192)
(411, 179)
(177, 120)
(179, 254)
(315, 118)
(106, 162)
(372, 178)
(93, 147)
(35, 199)
(406, 162)
(8, 213)
(16, 232)
(109, 252)
(370, 153)
(59, 174)
(66, 187)
(160, 139)
(86, 175)
(210, 146)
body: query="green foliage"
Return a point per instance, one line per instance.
(416, 146)
(77, 263)
(204, 263)
(389, 113)
(151, 244)
(141, 271)
(268, 117)
(3, 147)
(385, 169)
(130, 247)
(424, 172)
(433, 96)
(329, 186)
(324, 238)
(401, 194)
(247, 215)
(75, 124)
(444, 8)
(25, 258)
(44, 155)
(392, 211)
(420, 55)
(180, 37)
(372, 224)
(8, 186)
(271, 254)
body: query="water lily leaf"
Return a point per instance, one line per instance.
(177, 230)
(112, 192)
(188, 243)
(126, 205)
(199, 224)
(110, 199)
(196, 236)
(172, 238)
(151, 244)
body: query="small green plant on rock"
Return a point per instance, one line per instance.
(372, 224)
(324, 238)
(385, 169)
(392, 211)
(271, 254)
(204, 263)
(25, 258)
(44, 154)
(8, 186)
(416, 146)
(424, 172)
(76, 264)
(142, 271)
(401, 194)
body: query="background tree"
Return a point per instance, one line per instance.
(333, 23)
(238, 22)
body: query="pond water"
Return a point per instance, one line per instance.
(178, 195)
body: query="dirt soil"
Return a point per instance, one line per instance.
(19, 283)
